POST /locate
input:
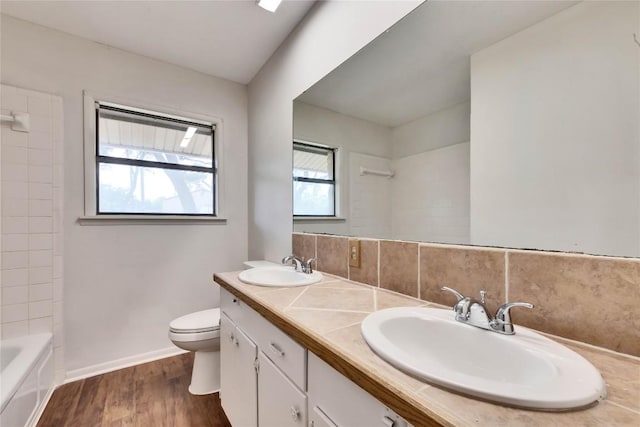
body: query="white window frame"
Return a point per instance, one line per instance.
(90, 183)
(336, 184)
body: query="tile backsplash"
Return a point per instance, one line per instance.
(468, 270)
(588, 298)
(399, 267)
(326, 247)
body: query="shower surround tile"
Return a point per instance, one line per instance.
(30, 202)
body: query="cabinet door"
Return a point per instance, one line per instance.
(238, 379)
(227, 361)
(281, 403)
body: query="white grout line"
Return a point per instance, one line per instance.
(378, 281)
(298, 297)
(624, 407)
(419, 272)
(330, 310)
(375, 300)
(506, 276)
(349, 261)
(590, 346)
(341, 327)
(332, 282)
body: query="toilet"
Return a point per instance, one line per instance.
(200, 332)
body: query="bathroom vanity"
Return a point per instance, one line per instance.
(296, 357)
(269, 379)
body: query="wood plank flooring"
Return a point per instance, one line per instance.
(154, 394)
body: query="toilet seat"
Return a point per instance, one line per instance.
(190, 337)
(199, 322)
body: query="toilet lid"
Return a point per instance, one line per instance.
(200, 321)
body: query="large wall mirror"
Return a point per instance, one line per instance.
(512, 124)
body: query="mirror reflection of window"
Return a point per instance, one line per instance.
(313, 180)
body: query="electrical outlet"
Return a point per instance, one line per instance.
(354, 253)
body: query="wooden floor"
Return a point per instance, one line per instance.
(152, 394)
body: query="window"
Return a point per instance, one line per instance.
(313, 180)
(150, 163)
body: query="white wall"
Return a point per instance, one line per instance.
(32, 229)
(349, 135)
(124, 283)
(446, 127)
(330, 33)
(554, 134)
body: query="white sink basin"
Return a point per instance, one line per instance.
(278, 276)
(525, 370)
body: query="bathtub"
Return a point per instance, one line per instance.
(26, 378)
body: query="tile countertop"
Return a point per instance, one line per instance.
(325, 317)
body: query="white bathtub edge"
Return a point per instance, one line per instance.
(32, 348)
(36, 416)
(125, 362)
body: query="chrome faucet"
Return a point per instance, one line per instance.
(474, 312)
(300, 265)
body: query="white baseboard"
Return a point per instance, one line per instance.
(125, 362)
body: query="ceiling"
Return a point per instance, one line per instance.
(422, 64)
(228, 39)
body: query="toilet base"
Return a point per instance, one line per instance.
(205, 378)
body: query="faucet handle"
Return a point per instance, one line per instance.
(307, 264)
(453, 291)
(483, 294)
(503, 312)
(503, 316)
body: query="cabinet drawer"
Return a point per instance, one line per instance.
(283, 351)
(239, 312)
(230, 305)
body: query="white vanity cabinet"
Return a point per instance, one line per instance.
(270, 380)
(263, 370)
